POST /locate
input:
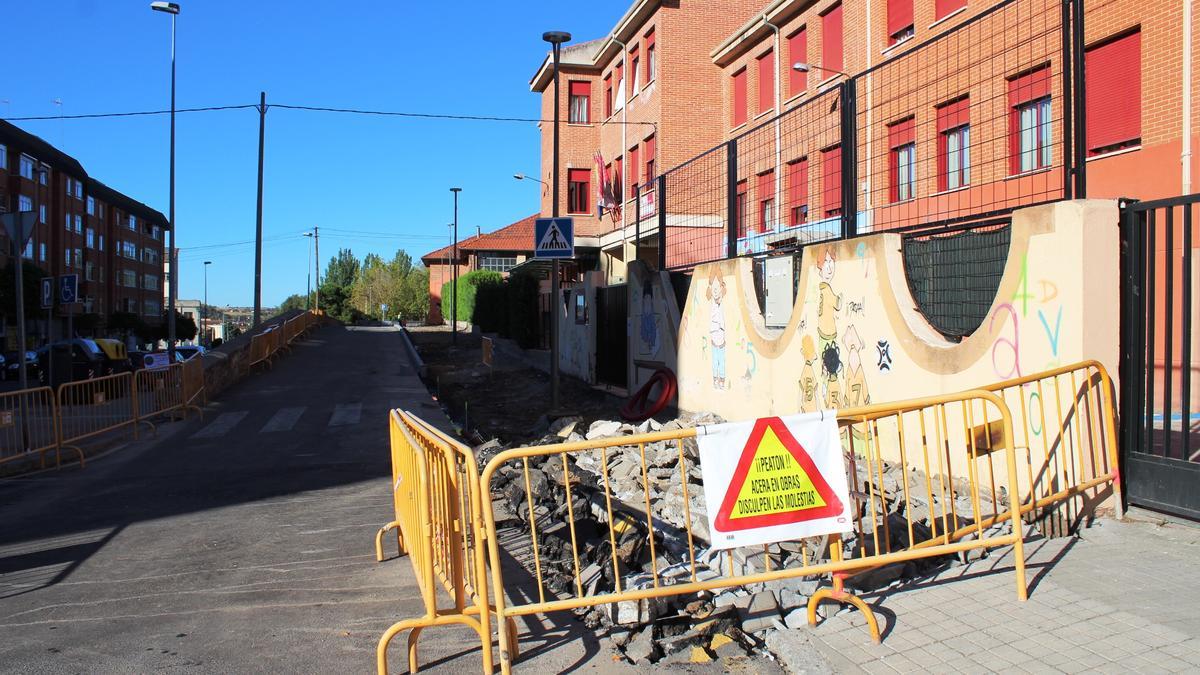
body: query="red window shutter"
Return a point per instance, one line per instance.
(617, 179)
(766, 192)
(831, 177)
(651, 155)
(739, 97)
(899, 15)
(953, 114)
(1030, 86)
(942, 8)
(742, 188)
(901, 133)
(831, 40)
(797, 189)
(766, 81)
(608, 100)
(797, 53)
(581, 88)
(584, 177)
(1114, 93)
(634, 168)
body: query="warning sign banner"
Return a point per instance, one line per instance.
(774, 479)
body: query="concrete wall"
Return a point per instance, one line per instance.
(855, 335)
(226, 364)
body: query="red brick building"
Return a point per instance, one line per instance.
(642, 98)
(499, 251)
(948, 126)
(83, 227)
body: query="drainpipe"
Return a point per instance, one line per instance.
(778, 131)
(870, 124)
(624, 145)
(1186, 155)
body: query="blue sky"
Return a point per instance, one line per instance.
(340, 172)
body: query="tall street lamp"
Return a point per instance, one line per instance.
(556, 39)
(204, 315)
(171, 8)
(454, 286)
(308, 294)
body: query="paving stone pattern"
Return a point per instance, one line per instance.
(1121, 598)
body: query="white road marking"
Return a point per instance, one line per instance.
(346, 414)
(221, 426)
(283, 420)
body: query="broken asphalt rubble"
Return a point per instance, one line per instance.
(726, 625)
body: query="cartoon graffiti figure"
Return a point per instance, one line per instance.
(808, 376)
(829, 303)
(716, 330)
(856, 380)
(831, 366)
(885, 355)
(649, 324)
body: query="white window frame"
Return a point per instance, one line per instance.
(24, 203)
(906, 172)
(25, 167)
(91, 238)
(1035, 135)
(958, 157)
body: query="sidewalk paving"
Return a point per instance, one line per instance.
(1121, 598)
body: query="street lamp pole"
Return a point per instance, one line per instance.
(172, 9)
(556, 39)
(204, 315)
(308, 294)
(454, 286)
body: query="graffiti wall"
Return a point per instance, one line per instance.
(654, 323)
(856, 336)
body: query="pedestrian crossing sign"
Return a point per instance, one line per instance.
(554, 238)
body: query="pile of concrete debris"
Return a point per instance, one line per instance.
(702, 627)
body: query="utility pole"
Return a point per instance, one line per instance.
(262, 129)
(172, 9)
(317, 245)
(454, 286)
(555, 38)
(308, 293)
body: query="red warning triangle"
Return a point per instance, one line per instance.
(785, 485)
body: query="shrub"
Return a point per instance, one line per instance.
(522, 292)
(468, 286)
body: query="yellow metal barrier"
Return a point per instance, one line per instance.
(437, 501)
(29, 426)
(942, 427)
(260, 350)
(195, 394)
(1067, 436)
(159, 391)
(91, 407)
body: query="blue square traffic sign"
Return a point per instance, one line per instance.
(554, 238)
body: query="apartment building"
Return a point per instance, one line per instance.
(82, 226)
(638, 100)
(498, 251)
(961, 108)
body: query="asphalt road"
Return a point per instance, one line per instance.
(242, 542)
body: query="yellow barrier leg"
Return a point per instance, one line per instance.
(513, 648)
(413, 636)
(838, 594)
(379, 540)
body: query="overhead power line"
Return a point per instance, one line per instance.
(137, 113)
(308, 108)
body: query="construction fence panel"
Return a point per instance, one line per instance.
(159, 390)
(91, 407)
(650, 542)
(195, 394)
(260, 349)
(29, 425)
(438, 521)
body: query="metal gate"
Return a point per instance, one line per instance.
(612, 341)
(1158, 300)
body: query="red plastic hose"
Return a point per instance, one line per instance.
(635, 409)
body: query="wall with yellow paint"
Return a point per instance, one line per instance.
(856, 336)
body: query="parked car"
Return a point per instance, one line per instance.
(116, 359)
(12, 364)
(189, 351)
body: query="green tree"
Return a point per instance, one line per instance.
(294, 301)
(335, 301)
(412, 298)
(342, 270)
(32, 286)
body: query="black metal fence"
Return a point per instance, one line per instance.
(1159, 417)
(966, 126)
(954, 275)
